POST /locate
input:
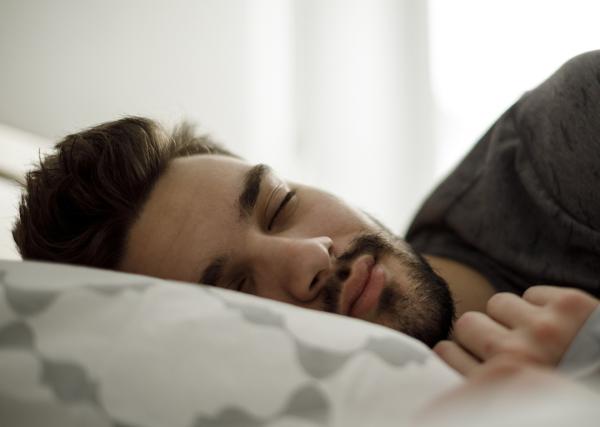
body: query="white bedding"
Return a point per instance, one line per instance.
(89, 347)
(81, 346)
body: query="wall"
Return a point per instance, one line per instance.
(330, 92)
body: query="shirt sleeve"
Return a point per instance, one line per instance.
(582, 359)
(523, 206)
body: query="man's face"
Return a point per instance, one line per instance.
(220, 221)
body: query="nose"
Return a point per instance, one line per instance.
(293, 269)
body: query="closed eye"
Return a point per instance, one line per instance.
(281, 207)
(239, 285)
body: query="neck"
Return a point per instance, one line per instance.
(470, 289)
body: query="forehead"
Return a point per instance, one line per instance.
(190, 213)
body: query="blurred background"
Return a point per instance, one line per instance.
(373, 100)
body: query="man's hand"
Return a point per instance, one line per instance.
(537, 328)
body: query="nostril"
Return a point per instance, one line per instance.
(343, 274)
(314, 281)
(330, 249)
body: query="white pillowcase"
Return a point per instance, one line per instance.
(82, 346)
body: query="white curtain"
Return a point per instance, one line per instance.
(341, 99)
(486, 54)
(330, 92)
(374, 100)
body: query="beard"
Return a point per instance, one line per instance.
(424, 309)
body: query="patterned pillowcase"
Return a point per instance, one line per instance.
(81, 346)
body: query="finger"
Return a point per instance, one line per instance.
(501, 367)
(575, 303)
(456, 357)
(542, 295)
(511, 310)
(479, 334)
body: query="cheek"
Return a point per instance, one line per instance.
(332, 218)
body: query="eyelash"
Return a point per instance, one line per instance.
(288, 197)
(239, 284)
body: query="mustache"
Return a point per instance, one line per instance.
(368, 243)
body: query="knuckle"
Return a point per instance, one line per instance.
(573, 301)
(529, 291)
(545, 330)
(497, 301)
(491, 348)
(501, 346)
(507, 365)
(442, 348)
(466, 320)
(511, 350)
(510, 367)
(501, 367)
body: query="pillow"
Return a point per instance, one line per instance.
(82, 346)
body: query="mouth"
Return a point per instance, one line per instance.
(363, 287)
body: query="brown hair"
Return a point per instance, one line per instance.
(78, 205)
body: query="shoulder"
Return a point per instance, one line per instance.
(585, 63)
(559, 123)
(569, 92)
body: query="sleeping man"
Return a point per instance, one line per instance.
(521, 209)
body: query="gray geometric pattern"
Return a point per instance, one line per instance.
(69, 382)
(111, 290)
(82, 394)
(254, 314)
(230, 417)
(322, 362)
(21, 413)
(16, 335)
(26, 302)
(393, 351)
(308, 403)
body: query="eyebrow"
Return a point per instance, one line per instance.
(246, 202)
(251, 189)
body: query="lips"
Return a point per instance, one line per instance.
(356, 285)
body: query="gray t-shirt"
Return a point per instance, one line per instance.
(523, 207)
